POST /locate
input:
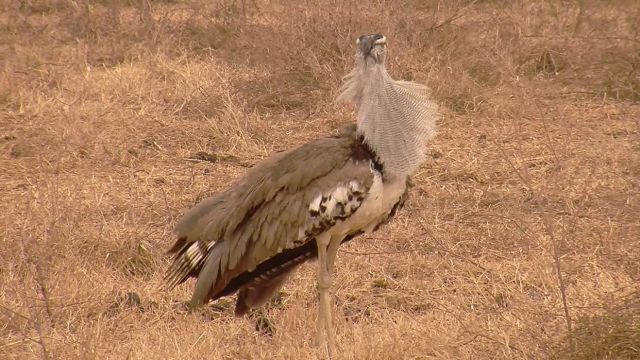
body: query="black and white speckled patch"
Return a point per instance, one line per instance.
(330, 207)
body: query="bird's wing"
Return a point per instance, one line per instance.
(280, 205)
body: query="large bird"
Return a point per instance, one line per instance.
(302, 204)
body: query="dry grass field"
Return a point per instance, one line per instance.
(520, 240)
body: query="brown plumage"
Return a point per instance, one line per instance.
(247, 237)
(304, 203)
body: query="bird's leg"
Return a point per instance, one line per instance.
(325, 327)
(332, 251)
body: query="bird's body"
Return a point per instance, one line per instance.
(304, 203)
(282, 206)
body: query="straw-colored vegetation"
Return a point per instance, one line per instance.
(521, 238)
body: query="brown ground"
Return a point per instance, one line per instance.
(536, 168)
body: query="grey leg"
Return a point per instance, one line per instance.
(325, 326)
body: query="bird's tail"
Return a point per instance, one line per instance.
(188, 260)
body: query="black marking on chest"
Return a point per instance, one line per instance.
(361, 151)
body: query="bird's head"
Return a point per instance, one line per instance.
(371, 49)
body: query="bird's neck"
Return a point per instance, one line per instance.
(392, 157)
(395, 118)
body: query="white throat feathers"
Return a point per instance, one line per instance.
(396, 118)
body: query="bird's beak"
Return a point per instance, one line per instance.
(380, 41)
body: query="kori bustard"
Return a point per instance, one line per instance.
(304, 203)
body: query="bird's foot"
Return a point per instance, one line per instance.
(324, 349)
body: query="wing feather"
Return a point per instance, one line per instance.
(266, 212)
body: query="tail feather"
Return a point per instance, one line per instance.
(187, 262)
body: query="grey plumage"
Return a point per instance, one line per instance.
(396, 118)
(304, 203)
(264, 212)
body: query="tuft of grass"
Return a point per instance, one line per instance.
(612, 333)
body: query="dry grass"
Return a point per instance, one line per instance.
(102, 104)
